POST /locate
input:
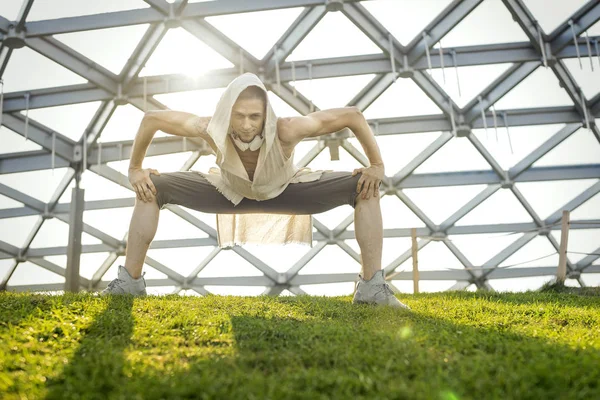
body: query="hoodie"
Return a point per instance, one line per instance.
(272, 175)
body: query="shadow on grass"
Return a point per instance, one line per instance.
(97, 367)
(335, 350)
(557, 287)
(27, 303)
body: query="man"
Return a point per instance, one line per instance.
(255, 153)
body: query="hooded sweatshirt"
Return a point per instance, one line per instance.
(274, 172)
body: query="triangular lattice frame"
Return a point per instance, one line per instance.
(408, 62)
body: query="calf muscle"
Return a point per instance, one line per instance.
(142, 229)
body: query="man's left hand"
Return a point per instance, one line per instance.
(370, 180)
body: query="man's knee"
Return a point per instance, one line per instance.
(374, 195)
(160, 184)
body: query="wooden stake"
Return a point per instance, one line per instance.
(562, 257)
(413, 234)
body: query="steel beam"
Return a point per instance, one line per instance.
(422, 157)
(72, 283)
(298, 102)
(5, 54)
(53, 97)
(437, 95)
(67, 57)
(492, 264)
(113, 244)
(586, 17)
(141, 55)
(379, 84)
(449, 275)
(529, 272)
(595, 105)
(537, 220)
(117, 151)
(208, 35)
(96, 123)
(4, 25)
(321, 68)
(95, 128)
(413, 181)
(150, 15)
(474, 272)
(439, 27)
(590, 171)
(542, 150)
(416, 210)
(481, 149)
(576, 94)
(587, 261)
(17, 28)
(29, 201)
(469, 206)
(518, 72)
(305, 22)
(381, 37)
(43, 208)
(221, 44)
(92, 22)
(583, 18)
(159, 5)
(41, 135)
(181, 83)
(573, 204)
(130, 72)
(497, 89)
(22, 16)
(25, 161)
(533, 116)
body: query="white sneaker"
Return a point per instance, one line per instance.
(125, 284)
(376, 291)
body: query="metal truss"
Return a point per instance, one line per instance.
(454, 122)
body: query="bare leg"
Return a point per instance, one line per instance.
(368, 225)
(142, 229)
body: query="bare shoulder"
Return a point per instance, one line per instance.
(292, 130)
(286, 137)
(285, 131)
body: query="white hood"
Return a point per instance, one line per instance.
(219, 126)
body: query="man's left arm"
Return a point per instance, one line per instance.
(329, 121)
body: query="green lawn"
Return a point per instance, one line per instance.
(452, 345)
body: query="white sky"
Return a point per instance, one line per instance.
(180, 52)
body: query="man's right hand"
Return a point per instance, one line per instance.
(142, 184)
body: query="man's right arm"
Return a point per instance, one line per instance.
(173, 122)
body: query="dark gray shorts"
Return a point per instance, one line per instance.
(190, 189)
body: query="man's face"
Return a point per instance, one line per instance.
(247, 118)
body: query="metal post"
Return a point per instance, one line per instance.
(562, 258)
(75, 231)
(413, 234)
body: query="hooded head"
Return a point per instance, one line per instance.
(248, 114)
(244, 112)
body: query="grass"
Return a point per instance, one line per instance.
(453, 345)
(559, 287)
